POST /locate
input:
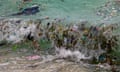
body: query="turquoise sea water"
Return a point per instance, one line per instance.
(69, 9)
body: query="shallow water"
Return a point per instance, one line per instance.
(69, 9)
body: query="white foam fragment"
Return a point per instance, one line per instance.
(64, 53)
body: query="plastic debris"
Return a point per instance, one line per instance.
(4, 64)
(89, 41)
(34, 57)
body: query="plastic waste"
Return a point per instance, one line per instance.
(34, 57)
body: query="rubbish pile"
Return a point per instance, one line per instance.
(91, 41)
(15, 30)
(80, 40)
